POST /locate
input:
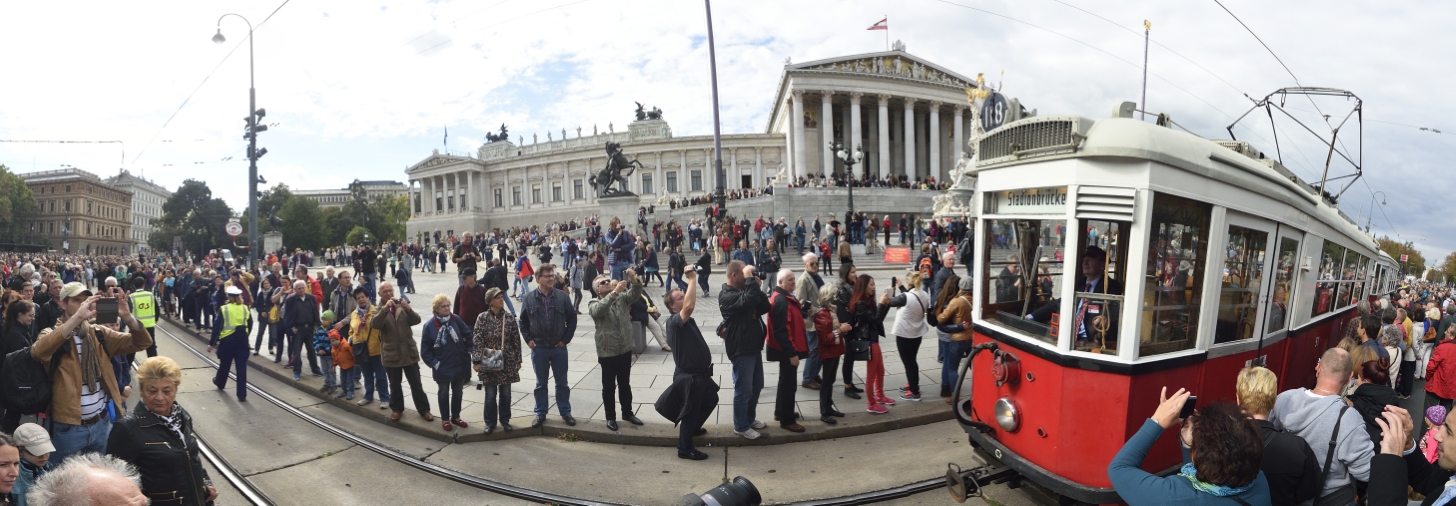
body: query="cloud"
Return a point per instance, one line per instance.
(364, 90)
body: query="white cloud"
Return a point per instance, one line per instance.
(365, 89)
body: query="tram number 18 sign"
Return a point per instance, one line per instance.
(993, 112)
(234, 228)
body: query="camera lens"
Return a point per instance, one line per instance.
(739, 492)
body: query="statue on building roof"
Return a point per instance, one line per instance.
(641, 111)
(504, 135)
(617, 170)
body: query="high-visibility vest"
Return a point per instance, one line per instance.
(233, 316)
(144, 307)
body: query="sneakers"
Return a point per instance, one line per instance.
(878, 409)
(749, 433)
(296, 378)
(365, 401)
(909, 396)
(905, 388)
(885, 400)
(383, 404)
(757, 425)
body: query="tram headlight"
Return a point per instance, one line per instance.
(1008, 414)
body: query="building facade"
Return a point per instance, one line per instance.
(373, 190)
(146, 206)
(80, 213)
(505, 184)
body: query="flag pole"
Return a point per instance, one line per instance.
(887, 32)
(1147, 29)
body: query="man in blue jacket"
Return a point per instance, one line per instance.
(548, 321)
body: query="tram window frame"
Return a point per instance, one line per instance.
(1286, 261)
(1241, 285)
(996, 259)
(1327, 279)
(1195, 218)
(1112, 240)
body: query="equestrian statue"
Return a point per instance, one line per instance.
(617, 170)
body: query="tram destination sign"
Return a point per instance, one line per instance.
(1031, 201)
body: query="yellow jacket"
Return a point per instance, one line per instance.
(360, 332)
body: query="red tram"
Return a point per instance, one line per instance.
(1115, 257)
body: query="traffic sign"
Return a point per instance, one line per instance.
(1404, 258)
(234, 228)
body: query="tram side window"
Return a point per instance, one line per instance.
(1243, 277)
(1098, 287)
(1014, 250)
(1283, 279)
(1173, 284)
(1357, 289)
(1329, 271)
(1348, 276)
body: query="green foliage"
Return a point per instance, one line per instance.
(1448, 266)
(1415, 264)
(303, 224)
(17, 207)
(356, 235)
(271, 203)
(387, 218)
(333, 231)
(193, 214)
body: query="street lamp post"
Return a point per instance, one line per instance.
(849, 160)
(255, 115)
(1371, 213)
(718, 195)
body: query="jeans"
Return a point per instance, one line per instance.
(450, 395)
(520, 286)
(811, 364)
(616, 375)
(800, 241)
(232, 351)
(497, 400)
(73, 439)
(703, 283)
(784, 407)
(263, 330)
(369, 284)
(747, 384)
(327, 363)
(677, 278)
(373, 370)
(950, 367)
(826, 390)
(346, 380)
(908, 348)
(296, 349)
(551, 362)
(617, 269)
(409, 373)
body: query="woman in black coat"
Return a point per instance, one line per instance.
(18, 317)
(157, 438)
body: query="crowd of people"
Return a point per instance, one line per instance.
(1345, 441)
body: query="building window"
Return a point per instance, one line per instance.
(672, 182)
(535, 194)
(556, 192)
(463, 204)
(498, 202)
(647, 184)
(68, 188)
(697, 180)
(515, 195)
(576, 189)
(450, 202)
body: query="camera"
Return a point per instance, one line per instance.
(739, 492)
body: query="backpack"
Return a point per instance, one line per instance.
(25, 386)
(925, 267)
(1430, 335)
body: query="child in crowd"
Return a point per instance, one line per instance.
(343, 356)
(324, 350)
(1435, 417)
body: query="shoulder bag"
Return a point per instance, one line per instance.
(494, 360)
(1345, 494)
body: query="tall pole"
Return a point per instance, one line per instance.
(717, 130)
(1147, 30)
(252, 163)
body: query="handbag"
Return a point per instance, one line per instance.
(857, 349)
(495, 360)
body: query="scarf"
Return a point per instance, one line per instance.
(90, 361)
(173, 421)
(447, 331)
(1208, 488)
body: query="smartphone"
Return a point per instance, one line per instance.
(1187, 410)
(894, 281)
(106, 311)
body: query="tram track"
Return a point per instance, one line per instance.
(255, 496)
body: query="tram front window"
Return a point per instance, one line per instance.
(1023, 270)
(1173, 283)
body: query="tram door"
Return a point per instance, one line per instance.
(1245, 285)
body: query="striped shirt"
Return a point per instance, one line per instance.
(93, 397)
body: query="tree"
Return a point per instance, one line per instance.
(270, 204)
(387, 218)
(303, 224)
(333, 231)
(1415, 263)
(17, 207)
(356, 235)
(199, 219)
(1448, 266)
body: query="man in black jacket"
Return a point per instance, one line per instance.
(1290, 466)
(743, 305)
(495, 277)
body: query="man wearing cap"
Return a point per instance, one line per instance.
(35, 453)
(1090, 279)
(469, 297)
(230, 339)
(83, 387)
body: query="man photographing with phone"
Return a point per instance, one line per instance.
(83, 384)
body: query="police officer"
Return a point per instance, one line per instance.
(144, 307)
(234, 326)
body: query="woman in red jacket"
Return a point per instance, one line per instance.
(1441, 372)
(831, 345)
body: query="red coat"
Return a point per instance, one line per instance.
(1441, 371)
(829, 346)
(784, 333)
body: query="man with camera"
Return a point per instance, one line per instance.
(743, 305)
(614, 340)
(399, 353)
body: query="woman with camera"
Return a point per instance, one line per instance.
(1222, 450)
(910, 326)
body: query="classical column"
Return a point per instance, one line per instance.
(933, 133)
(684, 184)
(909, 138)
(826, 130)
(884, 136)
(731, 173)
(797, 128)
(428, 187)
(959, 136)
(661, 178)
(464, 190)
(854, 129)
(758, 167)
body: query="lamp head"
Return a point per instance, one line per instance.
(841, 154)
(219, 39)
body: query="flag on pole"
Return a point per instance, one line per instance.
(446, 141)
(884, 24)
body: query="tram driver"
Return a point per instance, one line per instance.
(1091, 314)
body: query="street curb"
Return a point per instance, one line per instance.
(903, 415)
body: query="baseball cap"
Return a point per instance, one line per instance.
(73, 289)
(34, 439)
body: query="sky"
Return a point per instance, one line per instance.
(360, 89)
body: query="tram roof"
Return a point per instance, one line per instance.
(1045, 138)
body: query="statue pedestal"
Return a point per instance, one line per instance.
(623, 207)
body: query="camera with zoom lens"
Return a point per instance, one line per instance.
(739, 492)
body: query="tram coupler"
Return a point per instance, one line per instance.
(967, 483)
